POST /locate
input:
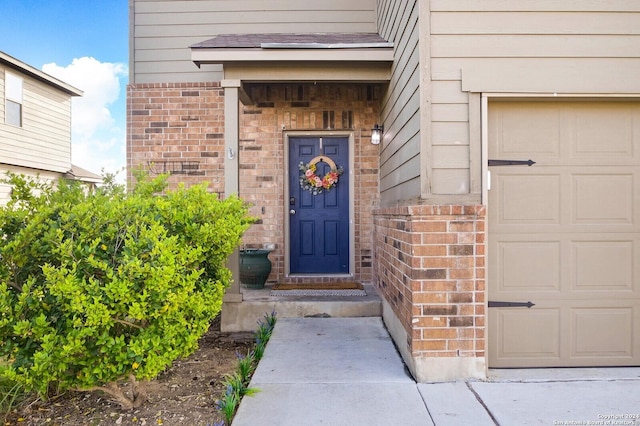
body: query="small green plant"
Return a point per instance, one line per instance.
(258, 351)
(237, 384)
(240, 385)
(236, 388)
(265, 328)
(228, 403)
(11, 393)
(246, 365)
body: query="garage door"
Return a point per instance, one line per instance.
(564, 234)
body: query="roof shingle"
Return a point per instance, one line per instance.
(301, 40)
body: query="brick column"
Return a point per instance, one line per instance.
(430, 270)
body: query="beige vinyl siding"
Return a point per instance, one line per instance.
(528, 46)
(400, 162)
(538, 46)
(44, 140)
(163, 30)
(536, 5)
(2, 97)
(39, 175)
(450, 138)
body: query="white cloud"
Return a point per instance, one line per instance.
(98, 138)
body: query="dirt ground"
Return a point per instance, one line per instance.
(183, 395)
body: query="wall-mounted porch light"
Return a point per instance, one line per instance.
(376, 134)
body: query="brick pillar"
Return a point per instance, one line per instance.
(430, 270)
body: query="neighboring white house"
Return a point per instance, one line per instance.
(35, 125)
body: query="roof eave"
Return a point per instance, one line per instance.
(24, 68)
(84, 175)
(201, 55)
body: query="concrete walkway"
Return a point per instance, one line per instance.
(346, 371)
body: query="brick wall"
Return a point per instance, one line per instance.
(291, 107)
(429, 266)
(182, 126)
(179, 129)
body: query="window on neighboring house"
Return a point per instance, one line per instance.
(13, 102)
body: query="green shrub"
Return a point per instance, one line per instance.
(96, 288)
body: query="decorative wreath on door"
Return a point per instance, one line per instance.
(315, 184)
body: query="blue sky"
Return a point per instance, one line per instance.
(85, 44)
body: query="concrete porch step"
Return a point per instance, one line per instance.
(243, 316)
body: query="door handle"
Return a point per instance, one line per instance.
(292, 212)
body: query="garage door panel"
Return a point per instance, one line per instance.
(527, 266)
(574, 266)
(529, 199)
(603, 266)
(528, 337)
(565, 234)
(593, 337)
(603, 198)
(600, 131)
(574, 133)
(515, 136)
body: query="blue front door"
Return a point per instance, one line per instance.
(319, 223)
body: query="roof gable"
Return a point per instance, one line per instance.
(24, 68)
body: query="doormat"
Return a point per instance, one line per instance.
(319, 289)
